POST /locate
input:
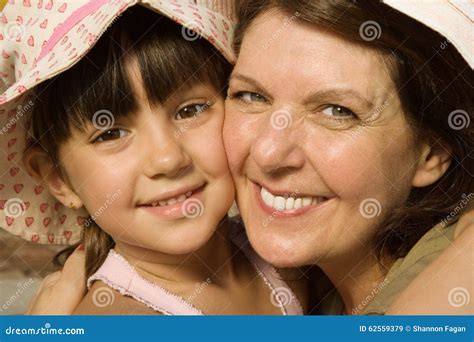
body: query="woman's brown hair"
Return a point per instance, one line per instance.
(433, 82)
(99, 81)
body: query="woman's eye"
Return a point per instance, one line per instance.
(338, 111)
(191, 110)
(111, 134)
(248, 96)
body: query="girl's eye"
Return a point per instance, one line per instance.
(111, 134)
(192, 110)
(338, 111)
(248, 96)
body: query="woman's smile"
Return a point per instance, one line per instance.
(283, 203)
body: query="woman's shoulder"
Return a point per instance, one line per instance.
(104, 300)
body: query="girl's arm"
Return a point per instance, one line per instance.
(445, 287)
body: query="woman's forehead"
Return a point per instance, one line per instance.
(305, 55)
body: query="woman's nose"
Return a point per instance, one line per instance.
(278, 146)
(165, 154)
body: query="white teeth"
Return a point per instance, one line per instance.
(298, 203)
(267, 197)
(307, 201)
(281, 203)
(290, 203)
(171, 201)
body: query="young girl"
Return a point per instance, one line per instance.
(132, 133)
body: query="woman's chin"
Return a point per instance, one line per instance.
(282, 250)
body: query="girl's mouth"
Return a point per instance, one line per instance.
(178, 206)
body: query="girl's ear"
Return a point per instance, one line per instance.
(41, 167)
(433, 163)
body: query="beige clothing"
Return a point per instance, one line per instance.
(400, 275)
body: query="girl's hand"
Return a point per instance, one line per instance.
(61, 291)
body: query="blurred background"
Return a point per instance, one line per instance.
(23, 265)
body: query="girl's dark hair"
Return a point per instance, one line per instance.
(99, 81)
(433, 81)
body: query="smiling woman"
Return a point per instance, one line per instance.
(342, 144)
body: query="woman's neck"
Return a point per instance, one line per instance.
(356, 277)
(211, 261)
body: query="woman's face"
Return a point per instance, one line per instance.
(318, 145)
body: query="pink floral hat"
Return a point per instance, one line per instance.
(38, 40)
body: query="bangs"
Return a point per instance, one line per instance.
(100, 82)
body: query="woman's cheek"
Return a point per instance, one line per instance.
(350, 168)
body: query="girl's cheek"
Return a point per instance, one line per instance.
(239, 133)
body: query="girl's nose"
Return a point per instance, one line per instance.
(277, 147)
(165, 154)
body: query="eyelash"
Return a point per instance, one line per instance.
(350, 112)
(96, 140)
(202, 108)
(202, 105)
(239, 96)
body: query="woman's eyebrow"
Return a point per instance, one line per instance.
(338, 93)
(259, 87)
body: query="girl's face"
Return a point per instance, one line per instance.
(158, 179)
(317, 143)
